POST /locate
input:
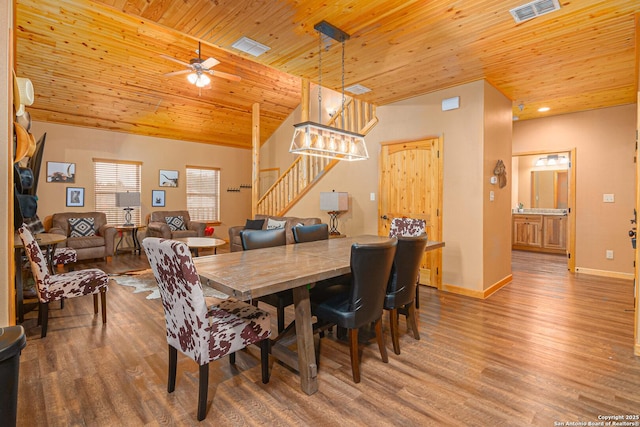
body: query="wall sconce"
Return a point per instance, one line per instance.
(552, 160)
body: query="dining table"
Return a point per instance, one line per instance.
(248, 275)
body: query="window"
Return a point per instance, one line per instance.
(116, 176)
(203, 193)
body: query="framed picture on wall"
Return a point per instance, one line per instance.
(168, 178)
(75, 196)
(61, 172)
(157, 198)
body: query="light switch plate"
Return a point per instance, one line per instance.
(608, 198)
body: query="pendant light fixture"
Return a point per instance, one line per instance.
(316, 139)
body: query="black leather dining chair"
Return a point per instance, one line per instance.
(361, 304)
(258, 239)
(310, 233)
(401, 289)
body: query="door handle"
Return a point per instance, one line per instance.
(384, 217)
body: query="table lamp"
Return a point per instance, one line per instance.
(334, 203)
(126, 200)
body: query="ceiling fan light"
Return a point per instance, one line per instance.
(193, 77)
(203, 80)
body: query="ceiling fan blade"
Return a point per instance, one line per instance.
(224, 75)
(170, 58)
(210, 63)
(175, 73)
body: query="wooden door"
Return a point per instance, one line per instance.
(411, 186)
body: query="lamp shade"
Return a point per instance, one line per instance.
(128, 199)
(334, 201)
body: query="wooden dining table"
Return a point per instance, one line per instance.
(251, 274)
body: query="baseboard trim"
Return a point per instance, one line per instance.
(477, 294)
(605, 273)
(497, 286)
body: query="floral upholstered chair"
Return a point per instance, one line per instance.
(409, 227)
(56, 287)
(203, 328)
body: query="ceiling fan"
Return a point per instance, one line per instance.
(199, 68)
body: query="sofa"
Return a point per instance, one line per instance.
(87, 232)
(235, 244)
(167, 225)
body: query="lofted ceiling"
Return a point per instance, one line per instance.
(99, 63)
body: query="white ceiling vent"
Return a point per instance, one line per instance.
(357, 89)
(249, 46)
(534, 9)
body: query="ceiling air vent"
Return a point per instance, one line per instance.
(357, 89)
(534, 9)
(249, 46)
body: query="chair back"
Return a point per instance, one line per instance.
(407, 227)
(370, 269)
(38, 262)
(310, 233)
(185, 309)
(401, 289)
(258, 239)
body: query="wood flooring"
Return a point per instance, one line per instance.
(549, 348)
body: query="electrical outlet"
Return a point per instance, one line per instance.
(608, 198)
(492, 196)
(609, 254)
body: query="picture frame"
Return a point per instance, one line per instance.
(61, 172)
(75, 196)
(157, 198)
(168, 178)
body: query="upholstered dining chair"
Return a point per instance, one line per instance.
(362, 302)
(56, 287)
(400, 296)
(258, 239)
(310, 233)
(202, 328)
(409, 227)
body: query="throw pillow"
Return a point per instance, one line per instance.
(175, 223)
(82, 227)
(254, 224)
(272, 224)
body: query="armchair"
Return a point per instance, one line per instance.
(87, 232)
(158, 225)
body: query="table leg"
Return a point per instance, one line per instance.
(136, 243)
(115, 251)
(304, 334)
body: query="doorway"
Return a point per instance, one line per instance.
(547, 180)
(410, 185)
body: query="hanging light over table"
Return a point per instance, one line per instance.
(315, 139)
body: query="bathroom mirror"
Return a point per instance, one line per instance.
(549, 189)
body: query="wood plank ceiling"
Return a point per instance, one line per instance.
(99, 64)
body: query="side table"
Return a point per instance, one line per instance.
(133, 230)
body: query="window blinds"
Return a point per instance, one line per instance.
(111, 177)
(203, 193)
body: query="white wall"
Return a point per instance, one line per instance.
(81, 145)
(464, 172)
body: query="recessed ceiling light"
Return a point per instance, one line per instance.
(252, 47)
(543, 109)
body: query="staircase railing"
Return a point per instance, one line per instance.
(357, 116)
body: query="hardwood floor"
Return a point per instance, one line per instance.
(549, 347)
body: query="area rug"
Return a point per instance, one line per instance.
(145, 281)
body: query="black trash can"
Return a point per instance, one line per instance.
(12, 341)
